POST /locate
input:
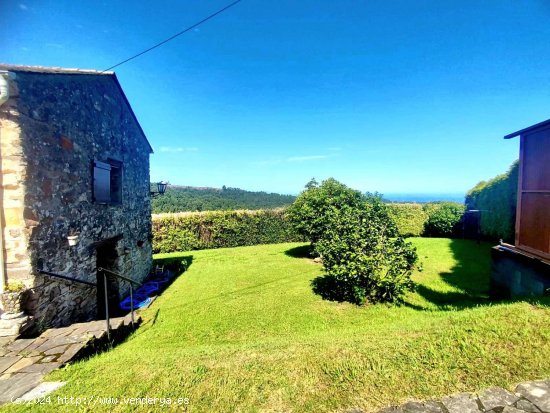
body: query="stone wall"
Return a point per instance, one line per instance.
(12, 193)
(67, 121)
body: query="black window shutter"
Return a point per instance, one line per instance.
(102, 182)
(116, 181)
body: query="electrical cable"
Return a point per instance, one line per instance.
(174, 36)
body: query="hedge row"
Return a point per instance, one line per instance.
(217, 229)
(496, 199)
(435, 219)
(187, 231)
(409, 218)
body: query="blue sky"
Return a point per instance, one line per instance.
(393, 96)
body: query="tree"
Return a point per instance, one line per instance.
(312, 184)
(363, 260)
(308, 211)
(363, 256)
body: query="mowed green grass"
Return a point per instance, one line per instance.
(242, 331)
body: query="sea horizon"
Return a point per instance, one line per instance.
(424, 197)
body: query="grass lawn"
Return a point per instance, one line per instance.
(242, 331)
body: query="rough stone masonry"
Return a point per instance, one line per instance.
(53, 128)
(528, 397)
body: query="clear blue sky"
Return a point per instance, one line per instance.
(394, 96)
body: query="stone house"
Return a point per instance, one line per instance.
(73, 160)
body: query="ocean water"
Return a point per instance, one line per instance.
(422, 198)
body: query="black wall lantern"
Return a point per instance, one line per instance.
(161, 186)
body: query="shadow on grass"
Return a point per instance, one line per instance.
(177, 265)
(144, 327)
(303, 251)
(153, 321)
(326, 286)
(469, 277)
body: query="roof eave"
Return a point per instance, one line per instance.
(528, 129)
(132, 112)
(52, 70)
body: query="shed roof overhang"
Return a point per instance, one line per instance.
(520, 132)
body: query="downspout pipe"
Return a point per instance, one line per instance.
(4, 96)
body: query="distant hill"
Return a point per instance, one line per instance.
(188, 198)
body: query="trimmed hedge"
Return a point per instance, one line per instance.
(434, 219)
(186, 231)
(444, 219)
(217, 229)
(496, 199)
(409, 218)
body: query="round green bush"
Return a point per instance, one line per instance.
(363, 260)
(444, 219)
(307, 213)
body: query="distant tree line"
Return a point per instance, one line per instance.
(183, 198)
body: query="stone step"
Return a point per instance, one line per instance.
(27, 360)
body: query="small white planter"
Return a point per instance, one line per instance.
(73, 240)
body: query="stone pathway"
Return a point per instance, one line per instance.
(25, 361)
(530, 397)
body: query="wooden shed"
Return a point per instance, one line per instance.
(533, 205)
(523, 269)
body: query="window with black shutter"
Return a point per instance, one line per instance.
(107, 182)
(116, 182)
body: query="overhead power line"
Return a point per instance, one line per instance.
(174, 36)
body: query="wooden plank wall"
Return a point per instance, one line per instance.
(533, 214)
